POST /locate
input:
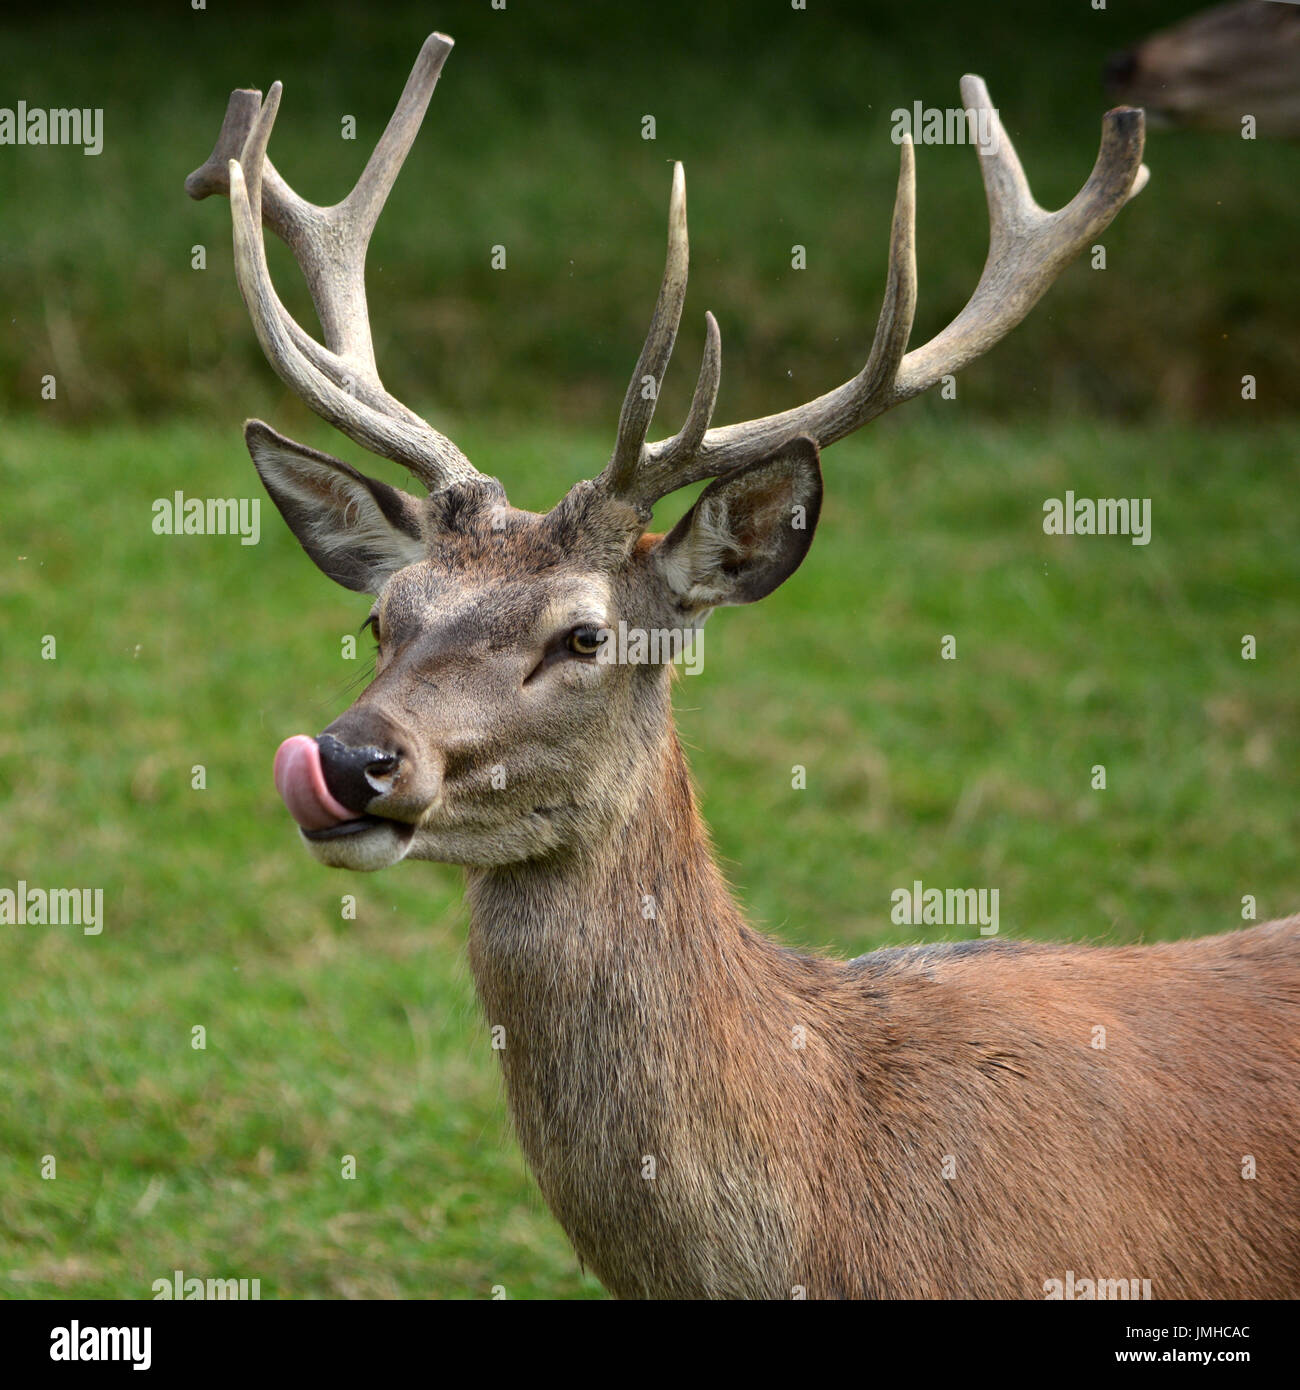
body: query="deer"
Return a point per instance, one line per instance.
(708, 1113)
(1216, 68)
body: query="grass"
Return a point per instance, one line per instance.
(328, 1036)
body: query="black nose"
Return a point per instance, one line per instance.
(345, 770)
(1120, 68)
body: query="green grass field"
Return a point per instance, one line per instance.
(328, 1037)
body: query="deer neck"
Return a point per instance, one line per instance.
(644, 1031)
(639, 914)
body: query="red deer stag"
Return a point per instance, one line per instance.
(707, 1113)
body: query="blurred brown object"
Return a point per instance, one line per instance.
(1214, 69)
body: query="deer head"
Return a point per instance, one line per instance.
(493, 731)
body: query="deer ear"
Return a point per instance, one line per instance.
(357, 529)
(747, 533)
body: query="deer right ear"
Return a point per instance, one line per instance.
(747, 533)
(357, 529)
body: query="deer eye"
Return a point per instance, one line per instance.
(372, 622)
(584, 641)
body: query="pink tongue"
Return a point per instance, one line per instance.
(300, 780)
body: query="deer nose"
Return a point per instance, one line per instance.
(356, 776)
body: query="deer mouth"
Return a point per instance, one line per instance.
(358, 826)
(300, 780)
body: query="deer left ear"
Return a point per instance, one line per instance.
(747, 533)
(357, 529)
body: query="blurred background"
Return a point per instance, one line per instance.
(329, 1036)
(782, 117)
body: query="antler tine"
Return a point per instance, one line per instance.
(361, 208)
(339, 380)
(841, 411)
(643, 390)
(282, 209)
(432, 457)
(212, 176)
(668, 465)
(697, 452)
(337, 284)
(1028, 248)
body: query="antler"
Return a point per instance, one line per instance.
(339, 380)
(1028, 248)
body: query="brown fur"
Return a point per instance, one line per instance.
(708, 1114)
(685, 1142)
(779, 1168)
